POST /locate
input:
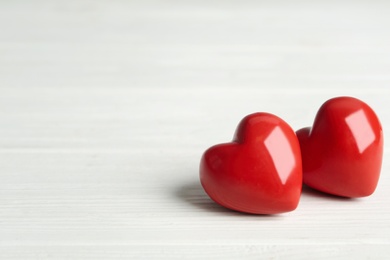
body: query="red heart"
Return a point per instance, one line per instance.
(342, 152)
(260, 172)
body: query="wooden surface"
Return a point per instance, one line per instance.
(107, 106)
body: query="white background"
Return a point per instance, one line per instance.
(107, 106)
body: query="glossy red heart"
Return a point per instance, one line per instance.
(260, 172)
(342, 152)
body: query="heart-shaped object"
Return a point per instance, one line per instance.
(260, 172)
(342, 152)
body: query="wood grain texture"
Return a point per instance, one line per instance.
(107, 106)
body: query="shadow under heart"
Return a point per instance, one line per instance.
(194, 194)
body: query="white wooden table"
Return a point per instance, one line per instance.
(107, 106)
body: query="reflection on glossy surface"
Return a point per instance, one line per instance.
(281, 153)
(361, 129)
(215, 161)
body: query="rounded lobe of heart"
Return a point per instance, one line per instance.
(260, 172)
(342, 152)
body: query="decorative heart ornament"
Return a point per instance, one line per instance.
(259, 172)
(342, 152)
